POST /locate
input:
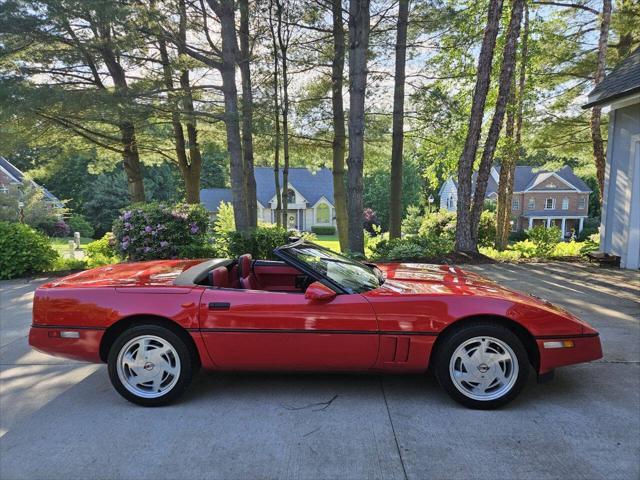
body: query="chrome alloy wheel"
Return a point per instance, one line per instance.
(148, 366)
(484, 368)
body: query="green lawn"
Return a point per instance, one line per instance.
(61, 245)
(329, 241)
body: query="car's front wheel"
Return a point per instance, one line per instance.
(482, 366)
(150, 365)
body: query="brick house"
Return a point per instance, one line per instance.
(540, 197)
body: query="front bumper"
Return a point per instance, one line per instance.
(86, 347)
(586, 348)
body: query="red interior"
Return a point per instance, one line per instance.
(265, 275)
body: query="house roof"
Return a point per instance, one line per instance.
(526, 177)
(15, 173)
(624, 80)
(211, 197)
(311, 185)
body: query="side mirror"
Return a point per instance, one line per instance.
(319, 292)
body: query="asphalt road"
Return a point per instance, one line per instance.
(61, 419)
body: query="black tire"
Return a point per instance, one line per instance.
(188, 365)
(456, 339)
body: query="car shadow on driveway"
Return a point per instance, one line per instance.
(240, 425)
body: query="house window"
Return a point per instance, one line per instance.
(514, 225)
(549, 203)
(565, 203)
(291, 196)
(515, 204)
(323, 213)
(532, 204)
(582, 202)
(450, 201)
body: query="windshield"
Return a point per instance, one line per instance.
(352, 276)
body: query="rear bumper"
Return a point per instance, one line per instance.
(586, 348)
(48, 339)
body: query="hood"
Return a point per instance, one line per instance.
(425, 279)
(135, 274)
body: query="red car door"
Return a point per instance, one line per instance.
(261, 330)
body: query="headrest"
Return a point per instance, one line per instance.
(220, 277)
(244, 263)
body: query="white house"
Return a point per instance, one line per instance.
(309, 197)
(620, 223)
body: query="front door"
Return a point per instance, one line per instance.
(261, 330)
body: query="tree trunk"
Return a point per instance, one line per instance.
(194, 166)
(225, 12)
(190, 172)
(596, 132)
(502, 213)
(339, 137)
(276, 112)
(284, 44)
(130, 155)
(395, 198)
(464, 240)
(358, 44)
(247, 114)
(517, 147)
(506, 79)
(131, 162)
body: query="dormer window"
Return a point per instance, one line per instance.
(291, 196)
(549, 203)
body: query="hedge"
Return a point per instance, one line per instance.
(23, 251)
(323, 230)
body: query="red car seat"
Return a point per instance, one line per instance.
(248, 279)
(219, 277)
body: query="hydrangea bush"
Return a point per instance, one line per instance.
(160, 231)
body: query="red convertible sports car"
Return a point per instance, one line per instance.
(155, 323)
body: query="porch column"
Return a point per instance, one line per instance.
(563, 228)
(549, 222)
(581, 224)
(530, 222)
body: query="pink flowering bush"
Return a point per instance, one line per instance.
(160, 231)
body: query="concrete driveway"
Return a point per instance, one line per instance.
(61, 419)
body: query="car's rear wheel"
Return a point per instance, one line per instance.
(482, 366)
(150, 365)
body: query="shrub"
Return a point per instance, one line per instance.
(517, 236)
(159, 231)
(545, 239)
(412, 220)
(323, 230)
(590, 227)
(441, 223)
(525, 248)
(66, 264)
(487, 228)
(77, 223)
(260, 242)
(567, 249)
(23, 251)
(102, 252)
(414, 247)
(501, 256)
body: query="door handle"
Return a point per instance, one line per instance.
(219, 306)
